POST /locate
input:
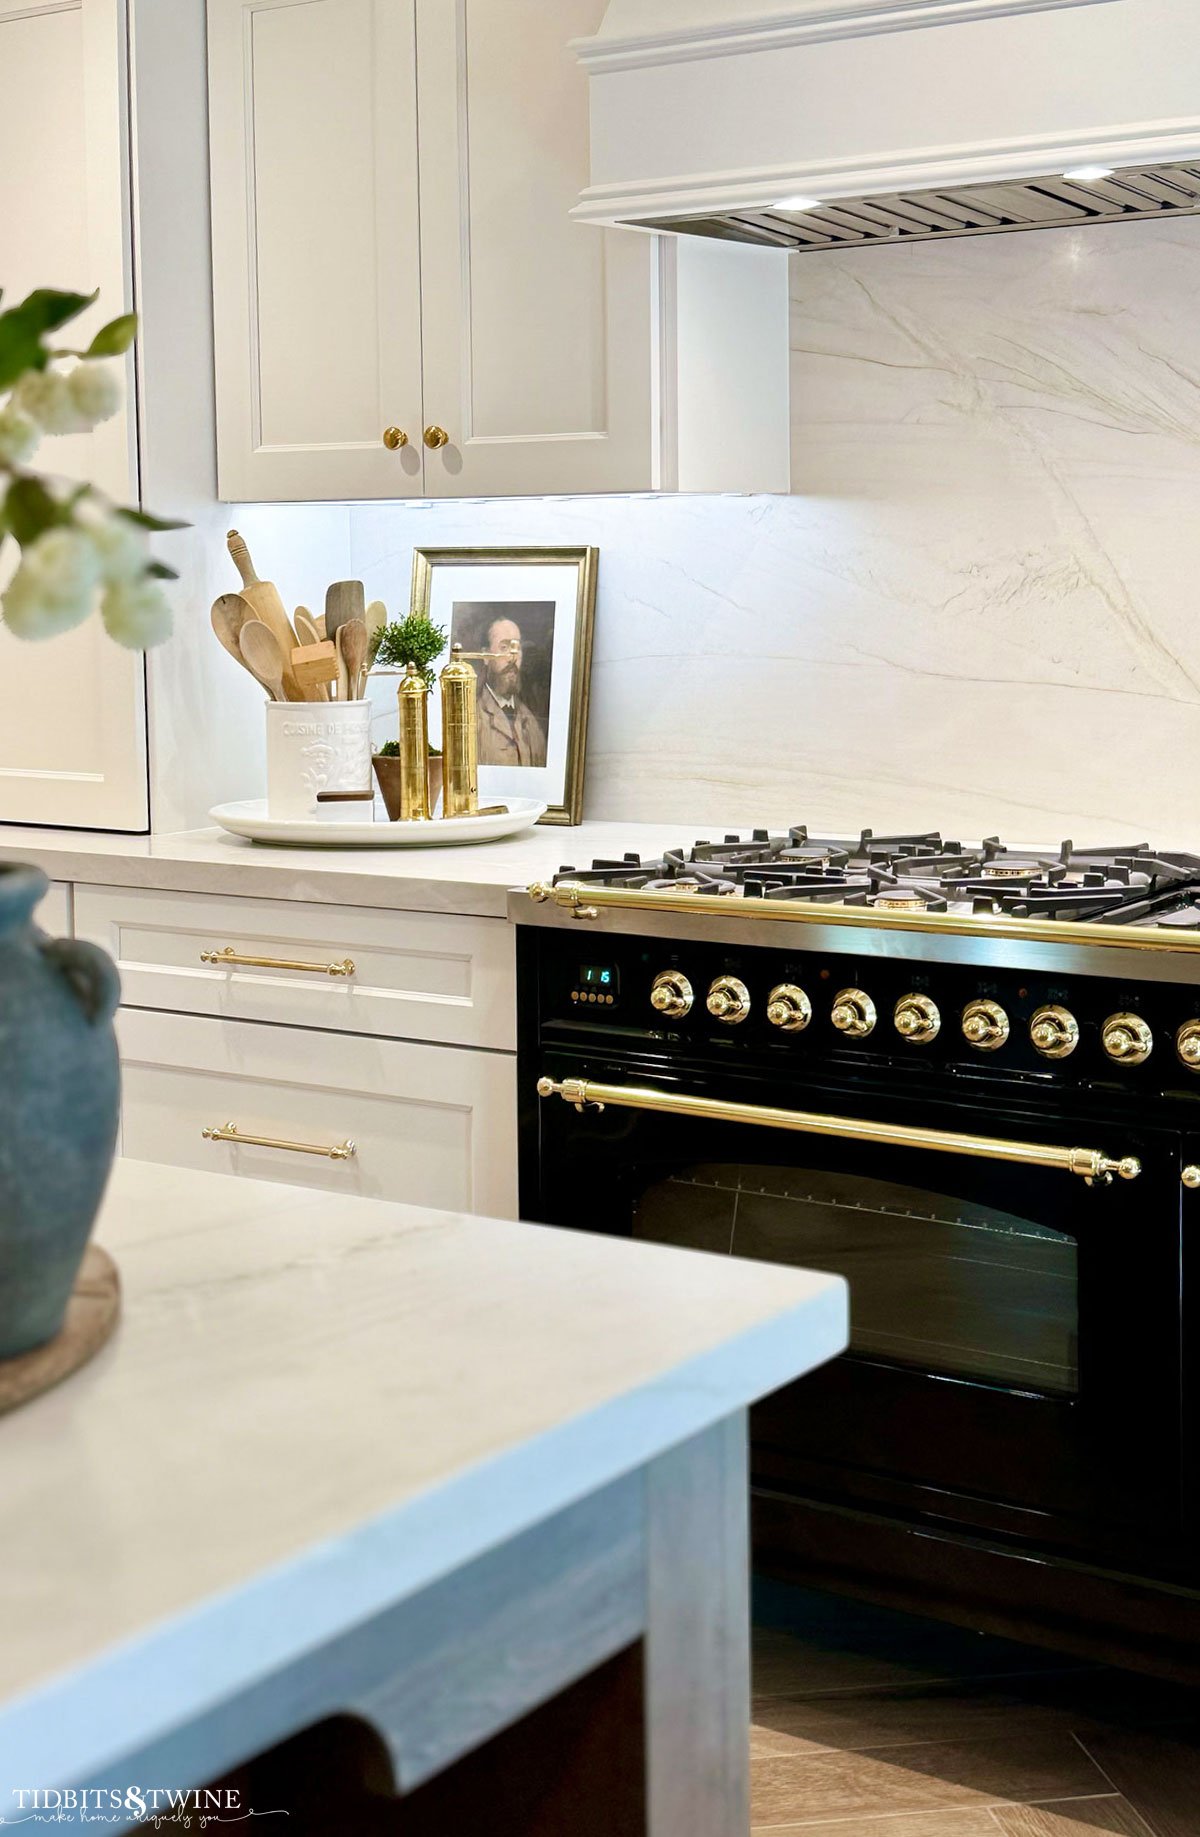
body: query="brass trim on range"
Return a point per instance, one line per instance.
(229, 1132)
(231, 956)
(585, 1094)
(1191, 1177)
(870, 918)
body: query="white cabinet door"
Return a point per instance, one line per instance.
(536, 330)
(316, 273)
(72, 712)
(432, 1125)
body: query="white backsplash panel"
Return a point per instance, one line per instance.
(979, 608)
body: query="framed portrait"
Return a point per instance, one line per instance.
(531, 611)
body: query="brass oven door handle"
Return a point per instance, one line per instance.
(229, 1132)
(1088, 1162)
(231, 956)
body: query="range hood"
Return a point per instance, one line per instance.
(827, 123)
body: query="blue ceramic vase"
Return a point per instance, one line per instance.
(58, 1124)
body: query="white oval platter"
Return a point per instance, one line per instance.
(250, 819)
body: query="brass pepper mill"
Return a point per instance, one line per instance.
(460, 740)
(413, 698)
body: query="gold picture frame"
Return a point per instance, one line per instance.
(437, 572)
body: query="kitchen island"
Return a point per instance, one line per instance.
(352, 1459)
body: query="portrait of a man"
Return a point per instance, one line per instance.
(514, 678)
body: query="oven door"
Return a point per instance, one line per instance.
(1015, 1345)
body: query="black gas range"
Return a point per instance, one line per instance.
(967, 1077)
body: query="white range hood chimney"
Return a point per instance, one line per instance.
(825, 122)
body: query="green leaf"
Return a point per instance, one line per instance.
(23, 327)
(29, 509)
(115, 338)
(145, 520)
(46, 309)
(158, 570)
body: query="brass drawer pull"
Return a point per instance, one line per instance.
(229, 1132)
(231, 956)
(1088, 1162)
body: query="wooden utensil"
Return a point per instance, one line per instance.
(352, 657)
(377, 618)
(267, 607)
(229, 614)
(314, 665)
(264, 659)
(310, 631)
(344, 600)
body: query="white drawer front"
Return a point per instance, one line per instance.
(433, 1125)
(54, 913)
(415, 975)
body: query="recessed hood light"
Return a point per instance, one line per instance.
(1083, 175)
(797, 204)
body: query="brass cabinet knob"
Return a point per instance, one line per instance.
(1055, 1032)
(853, 1013)
(394, 437)
(1187, 1045)
(788, 1007)
(436, 437)
(1126, 1038)
(917, 1019)
(729, 1000)
(671, 995)
(1191, 1177)
(985, 1025)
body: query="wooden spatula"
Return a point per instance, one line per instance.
(309, 633)
(268, 608)
(344, 600)
(264, 659)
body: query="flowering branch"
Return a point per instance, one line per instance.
(76, 546)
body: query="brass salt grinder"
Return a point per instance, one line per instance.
(413, 698)
(460, 737)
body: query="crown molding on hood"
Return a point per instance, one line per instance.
(804, 22)
(1133, 144)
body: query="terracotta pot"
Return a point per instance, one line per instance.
(61, 1098)
(387, 774)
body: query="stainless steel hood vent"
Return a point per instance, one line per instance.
(972, 210)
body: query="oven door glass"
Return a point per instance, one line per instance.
(949, 1285)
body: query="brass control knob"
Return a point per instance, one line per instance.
(394, 437)
(729, 1000)
(671, 995)
(788, 1007)
(1187, 1045)
(1055, 1032)
(1126, 1038)
(984, 1025)
(436, 437)
(853, 1013)
(1191, 1177)
(917, 1019)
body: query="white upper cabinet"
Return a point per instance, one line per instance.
(316, 265)
(393, 250)
(72, 712)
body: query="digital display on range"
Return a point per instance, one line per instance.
(598, 976)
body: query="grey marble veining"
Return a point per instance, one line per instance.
(976, 610)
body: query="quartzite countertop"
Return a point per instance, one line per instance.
(472, 880)
(315, 1406)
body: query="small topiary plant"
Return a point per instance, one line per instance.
(415, 639)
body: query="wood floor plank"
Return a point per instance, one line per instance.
(1158, 1774)
(924, 1776)
(1073, 1818)
(918, 1824)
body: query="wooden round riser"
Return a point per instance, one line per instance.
(92, 1313)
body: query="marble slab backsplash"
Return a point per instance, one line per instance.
(977, 609)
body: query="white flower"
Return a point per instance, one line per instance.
(54, 586)
(136, 614)
(44, 395)
(95, 393)
(19, 435)
(121, 546)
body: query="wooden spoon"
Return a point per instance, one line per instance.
(229, 614)
(352, 656)
(263, 657)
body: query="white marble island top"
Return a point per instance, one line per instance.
(315, 1403)
(473, 880)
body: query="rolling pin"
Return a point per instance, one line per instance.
(263, 597)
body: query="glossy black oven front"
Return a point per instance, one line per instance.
(1015, 1355)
